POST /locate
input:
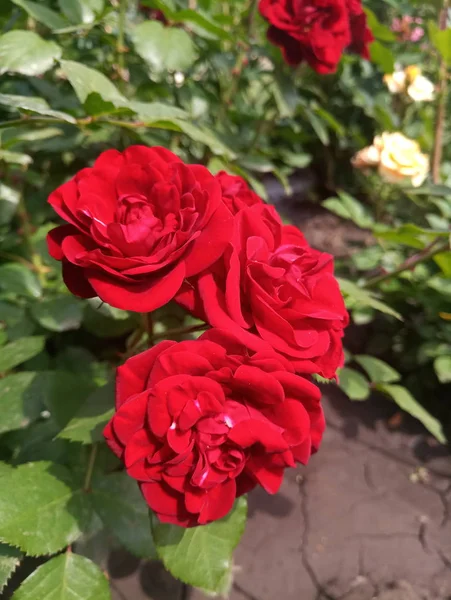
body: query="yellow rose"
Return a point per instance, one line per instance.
(421, 89)
(401, 160)
(396, 82)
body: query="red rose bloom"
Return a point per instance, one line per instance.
(316, 31)
(270, 289)
(139, 223)
(199, 423)
(236, 193)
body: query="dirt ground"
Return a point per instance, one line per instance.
(370, 517)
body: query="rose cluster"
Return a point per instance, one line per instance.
(198, 423)
(317, 31)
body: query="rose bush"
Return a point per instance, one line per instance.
(271, 289)
(317, 32)
(199, 423)
(139, 222)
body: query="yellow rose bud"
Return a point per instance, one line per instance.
(368, 157)
(401, 160)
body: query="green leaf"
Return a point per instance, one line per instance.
(164, 48)
(379, 31)
(58, 314)
(443, 260)
(407, 402)
(347, 207)
(80, 11)
(88, 423)
(16, 278)
(104, 321)
(354, 384)
(442, 368)
(202, 21)
(34, 105)
(65, 577)
(118, 502)
(156, 111)
(383, 57)
(15, 158)
(73, 387)
(378, 371)
(204, 136)
(42, 14)
(201, 556)
(42, 510)
(87, 81)
(9, 559)
(18, 404)
(356, 296)
(25, 52)
(9, 200)
(430, 190)
(19, 351)
(441, 40)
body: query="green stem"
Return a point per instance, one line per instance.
(179, 331)
(441, 105)
(27, 233)
(147, 325)
(435, 247)
(90, 468)
(120, 45)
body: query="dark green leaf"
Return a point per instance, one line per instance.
(41, 13)
(88, 423)
(59, 314)
(16, 278)
(19, 351)
(34, 105)
(27, 53)
(118, 502)
(65, 577)
(41, 509)
(9, 200)
(407, 402)
(201, 556)
(18, 404)
(9, 559)
(357, 296)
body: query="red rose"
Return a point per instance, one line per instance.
(270, 289)
(199, 423)
(139, 223)
(236, 193)
(316, 31)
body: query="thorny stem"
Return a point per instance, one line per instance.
(441, 106)
(435, 247)
(90, 467)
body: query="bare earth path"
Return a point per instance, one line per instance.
(370, 517)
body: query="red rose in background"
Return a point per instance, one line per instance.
(199, 423)
(236, 193)
(316, 31)
(139, 223)
(271, 289)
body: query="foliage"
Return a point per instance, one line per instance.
(81, 76)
